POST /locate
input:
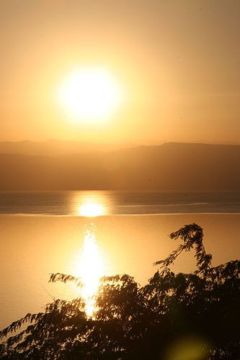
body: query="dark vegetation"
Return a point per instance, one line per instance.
(175, 316)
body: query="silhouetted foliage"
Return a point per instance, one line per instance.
(179, 316)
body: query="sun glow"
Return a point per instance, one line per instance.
(89, 266)
(90, 94)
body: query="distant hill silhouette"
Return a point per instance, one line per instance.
(170, 167)
(50, 147)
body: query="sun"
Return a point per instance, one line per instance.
(89, 94)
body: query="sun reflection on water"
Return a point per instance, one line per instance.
(90, 205)
(91, 209)
(89, 266)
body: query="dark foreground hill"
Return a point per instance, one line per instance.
(169, 167)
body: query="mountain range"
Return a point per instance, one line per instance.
(175, 167)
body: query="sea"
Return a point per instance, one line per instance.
(45, 232)
(118, 203)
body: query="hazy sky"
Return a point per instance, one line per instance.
(177, 61)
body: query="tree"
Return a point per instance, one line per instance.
(192, 316)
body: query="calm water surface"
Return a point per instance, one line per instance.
(116, 203)
(47, 232)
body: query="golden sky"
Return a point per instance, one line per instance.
(177, 61)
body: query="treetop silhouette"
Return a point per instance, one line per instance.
(175, 316)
